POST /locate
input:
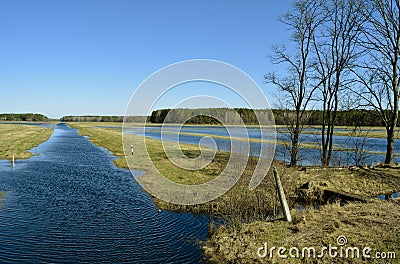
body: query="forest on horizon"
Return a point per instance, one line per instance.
(203, 116)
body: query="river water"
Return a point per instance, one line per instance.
(71, 204)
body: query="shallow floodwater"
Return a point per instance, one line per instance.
(307, 156)
(71, 204)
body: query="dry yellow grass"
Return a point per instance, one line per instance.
(375, 225)
(17, 139)
(362, 181)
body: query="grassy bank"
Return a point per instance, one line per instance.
(365, 181)
(375, 225)
(108, 138)
(251, 216)
(111, 138)
(17, 139)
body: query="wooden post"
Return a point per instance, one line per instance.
(282, 197)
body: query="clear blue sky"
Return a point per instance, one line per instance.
(73, 57)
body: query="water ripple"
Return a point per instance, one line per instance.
(72, 205)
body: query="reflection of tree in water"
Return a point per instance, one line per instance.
(358, 141)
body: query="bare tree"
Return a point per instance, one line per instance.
(336, 51)
(379, 74)
(358, 140)
(302, 20)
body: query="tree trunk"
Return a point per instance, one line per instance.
(295, 148)
(323, 156)
(323, 145)
(390, 146)
(333, 120)
(395, 115)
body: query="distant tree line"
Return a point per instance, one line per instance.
(353, 118)
(216, 116)
(23, 117)
(227, 116)
(90, 118)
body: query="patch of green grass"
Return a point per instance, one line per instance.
(18, 139)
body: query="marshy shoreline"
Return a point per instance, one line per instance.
(252, 217)
(17, 138)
